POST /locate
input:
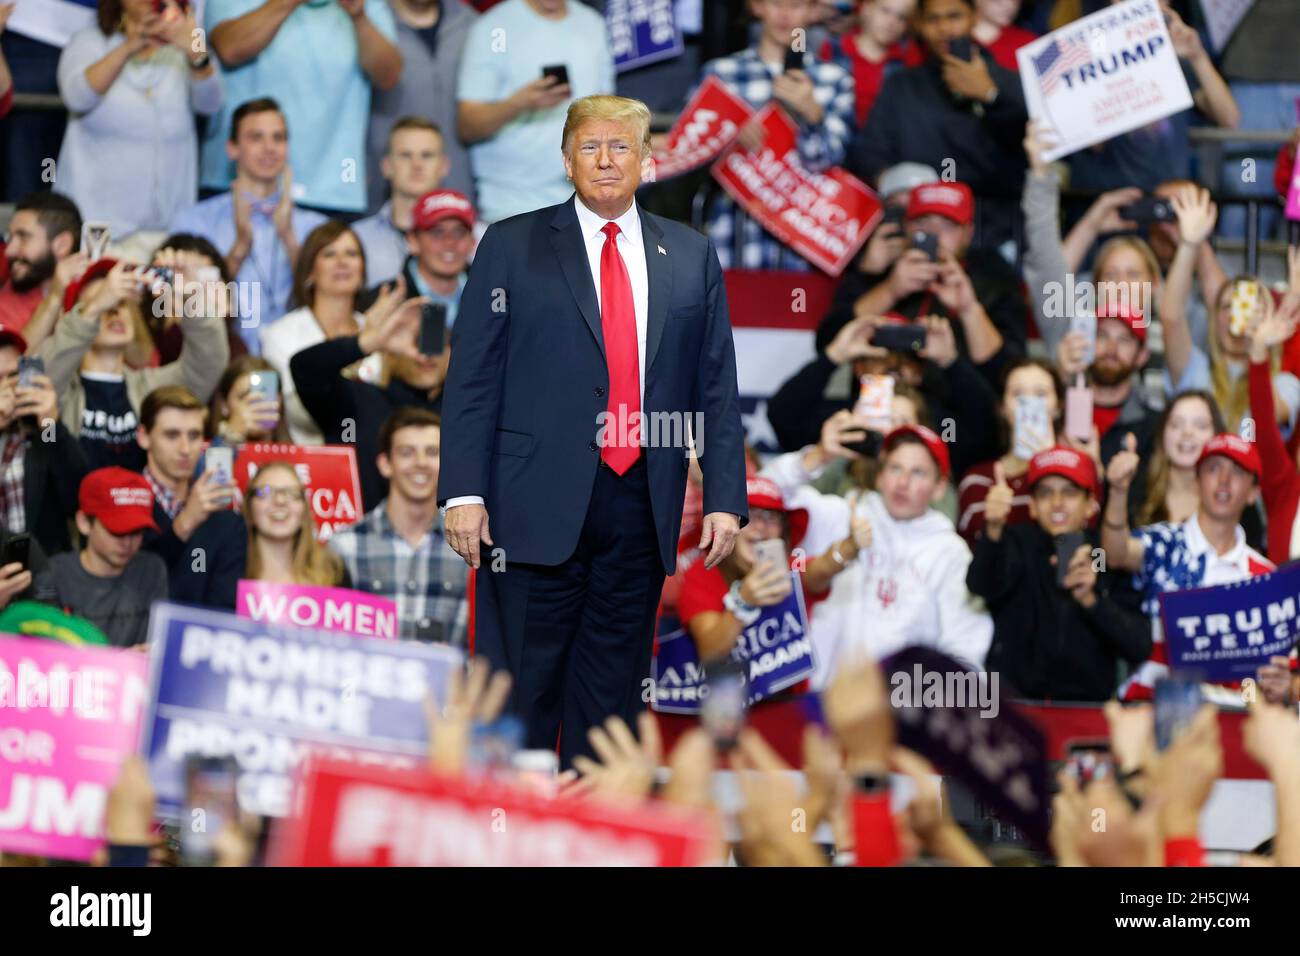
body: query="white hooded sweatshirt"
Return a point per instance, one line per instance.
(908, 588)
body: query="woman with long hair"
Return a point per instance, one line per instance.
(239, 412)
(328, 279)
(1025, 378)
(282, 545)
(132, 84)
(1182, 430)
(1242, 304)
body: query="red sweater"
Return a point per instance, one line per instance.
(1280, 485)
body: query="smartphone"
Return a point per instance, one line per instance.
(220, 459)
(1089, 760)
(1147, 210)
(1066, 545)
(29, 366)
(17, 549)
(95, 237)
(1177, 699)
(770, 551)
(263, 386)
(1245, 306)
(560, 72)
(722, 709)
(900, 338)
(876, 400)
(1031, 424)
(1078, 412)
(1085, 324)
(211, 802)
(433, 328)
(893, 214)
(869, 447)
(960, 47)
(928, 243)
(793, 60)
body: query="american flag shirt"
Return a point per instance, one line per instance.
(1177, 556)
(820, 147)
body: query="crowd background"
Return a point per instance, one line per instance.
(322, 171)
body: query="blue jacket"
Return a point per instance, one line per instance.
(528, 379)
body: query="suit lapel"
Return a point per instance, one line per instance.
(659, 271)
(571, 249)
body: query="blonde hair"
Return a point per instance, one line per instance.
(1234, 396)
(612, 109)
(313, 563)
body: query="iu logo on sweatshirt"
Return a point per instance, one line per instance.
(886, 591)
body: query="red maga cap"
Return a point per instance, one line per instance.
(933, 444)
(122, 500)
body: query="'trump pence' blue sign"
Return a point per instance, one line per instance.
(1227, 632)
(641, 32)
(775, 650)
(270, 695)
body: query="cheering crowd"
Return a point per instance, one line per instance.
(973, 462)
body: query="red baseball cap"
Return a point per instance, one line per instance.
(1235, 448)
(442, 204)
(122, 500)
(12, 337)
(1066, 462)
(1137, 322)
(763, 493)
(96, 270)
(933, 444)
(951, 200)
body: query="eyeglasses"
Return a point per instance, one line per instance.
(278, 495)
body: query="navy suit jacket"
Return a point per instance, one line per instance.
(528, 382)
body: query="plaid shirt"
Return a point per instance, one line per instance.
(820, 147)
(169, 503)
(428, 581)
(13, 505)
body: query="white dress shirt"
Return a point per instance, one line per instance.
(632, 247)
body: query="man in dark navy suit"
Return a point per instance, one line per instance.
(592, 348)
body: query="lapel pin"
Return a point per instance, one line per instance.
(662, 250)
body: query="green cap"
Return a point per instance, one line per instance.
(33, 619)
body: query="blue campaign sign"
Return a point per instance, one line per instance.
(1227, 632)
(270, 695)
(641, 32)
(775, 650)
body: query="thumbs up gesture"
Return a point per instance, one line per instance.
(997, 504)
(1123, 466)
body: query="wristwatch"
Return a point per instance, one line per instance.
(201, 63)
(744, 612)
(871, 784)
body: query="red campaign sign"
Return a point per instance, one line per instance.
(355, 815)
(328, 472)
(705, 128)
(822, 216)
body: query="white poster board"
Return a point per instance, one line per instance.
(1103, 75)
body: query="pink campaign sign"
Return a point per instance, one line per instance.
(69, 716)
(330, 609)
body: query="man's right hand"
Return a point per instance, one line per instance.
(541, 94)
(913, 272)
(466, 526)
(206, 496)
(1124, 465)
(997, 504)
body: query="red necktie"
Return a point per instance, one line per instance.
(622, 445)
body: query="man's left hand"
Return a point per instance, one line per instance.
(718, 536)
(968, 79)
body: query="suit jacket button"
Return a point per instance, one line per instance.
(600, 391)
(593, 446)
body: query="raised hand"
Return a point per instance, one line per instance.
(997, 504)
(840, 430)
(1124, 465)
(1196, 213)
(766, 584)
(940, 341)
